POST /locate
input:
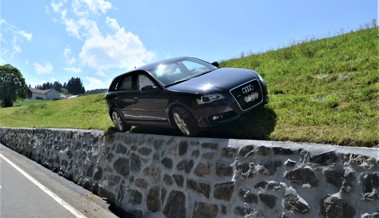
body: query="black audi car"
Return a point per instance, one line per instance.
(185, 93)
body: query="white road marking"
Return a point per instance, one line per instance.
(63, 203)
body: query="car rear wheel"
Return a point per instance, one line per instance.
(185, 122)
(120, 124)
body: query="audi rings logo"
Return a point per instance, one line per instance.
(247, 89)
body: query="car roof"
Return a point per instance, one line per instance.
(151, 66)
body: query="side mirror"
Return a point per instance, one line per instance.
(147, 88)
(216, 64)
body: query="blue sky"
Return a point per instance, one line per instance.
(54, 40)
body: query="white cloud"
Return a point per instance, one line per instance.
(118, 50)
(68, 56)
(43, 69)
(57, 5)
(98, 5)
(73, 69)
(95, 83)
(11, 38)
(110, 46)
(26, 35)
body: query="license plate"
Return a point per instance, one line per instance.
(251, 97)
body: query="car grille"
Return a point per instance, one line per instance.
(248, 95)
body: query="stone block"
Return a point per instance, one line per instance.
(153, 201)
(333, 206)
(199, 187)
(209, 145)
(167, 162)
(179, 180)
(135, 197)
(135, 163)
(334, 177)
(247, 196)
(325, 159)
(167, 179)
(203, 209)
(245, 171)
(282, 151)
(268, 200)
(121, 165)
(153, 173)
(302, 176)
(185, 165)
(223, 170)
(293, 202)
(202, 169)
(145, 151)
(246, 151)
(229, 152)
(121, 149)
(224, 191)
(370, 186)
(175, 205)
(263, 151)
(141, 183)
(183, 146)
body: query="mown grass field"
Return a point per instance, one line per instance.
(322, 91)
(85, 112)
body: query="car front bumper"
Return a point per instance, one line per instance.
(222, 112)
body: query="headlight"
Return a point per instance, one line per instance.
(205, 99)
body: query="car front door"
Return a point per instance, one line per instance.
(150, 105)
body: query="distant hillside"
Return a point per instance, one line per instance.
(324, 91)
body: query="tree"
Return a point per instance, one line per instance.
(57, 86)
(75, 86)
(12, 85)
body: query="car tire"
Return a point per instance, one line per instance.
(119, 122)
(184, 121)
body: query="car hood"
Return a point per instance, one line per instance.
(218, 80)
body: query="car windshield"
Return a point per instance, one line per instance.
(181, 70)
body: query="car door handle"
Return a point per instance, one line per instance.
(135, 99)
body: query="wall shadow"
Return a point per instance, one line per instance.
(257, 124)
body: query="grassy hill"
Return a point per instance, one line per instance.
(324, 91)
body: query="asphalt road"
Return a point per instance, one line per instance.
(27, 189)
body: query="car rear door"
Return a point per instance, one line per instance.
(124, 96)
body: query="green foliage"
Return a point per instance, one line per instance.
(75, 86)
(12, 85)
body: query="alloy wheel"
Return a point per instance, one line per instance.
(117, 120)
(180, 122)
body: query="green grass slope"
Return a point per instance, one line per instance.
(85, 112)
(323, 91)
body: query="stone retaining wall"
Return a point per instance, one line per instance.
(166, 176)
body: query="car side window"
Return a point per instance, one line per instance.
(143, 81)
(126, 84)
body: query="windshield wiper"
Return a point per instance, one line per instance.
(188, 78)
(178, 81)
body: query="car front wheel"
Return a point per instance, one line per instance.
(185, 122)
(119, 122)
